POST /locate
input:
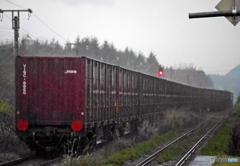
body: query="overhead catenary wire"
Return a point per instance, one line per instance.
(5, 28)
(5, 32)
(39, 20)
(6, 59)
(227, 65)
(217, 71)
(48, 27)
(6, 46)
(7, 17)
(28, 32)
(6, 35)
(21, 28)
(66, 40)
(16, 4)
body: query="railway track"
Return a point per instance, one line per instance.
(185, 158)
(45, 162)
(142, 163)
(152, 157)
(19, 161)
(23, 161)
(49, 162)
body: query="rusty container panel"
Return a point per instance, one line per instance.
(50, 90)
(140, 96)
(114, 99)
(89, 91)
(120, 92)
(101, 100)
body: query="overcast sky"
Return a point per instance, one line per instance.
(161, 26)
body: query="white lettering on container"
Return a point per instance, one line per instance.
(24, 79)
(71, 71)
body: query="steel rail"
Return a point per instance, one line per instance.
(152, 157)
(193, 149)
(47, 163)
(18, 161)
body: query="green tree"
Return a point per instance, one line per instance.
(105, 52)
(94, 49)
(153, 64)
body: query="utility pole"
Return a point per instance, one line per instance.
(77, 48)
(16, 24)
(75, 44)
(171, 70)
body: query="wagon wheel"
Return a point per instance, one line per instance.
(108, 134)
(114, 133)
(83, 145)
(121, 131)
(92, 144)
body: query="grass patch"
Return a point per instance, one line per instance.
(139, 149)
(236, 111)
(219, 143)
(150, 136)
(11, 148)
(131, 153)
(179, 149)
(4, 157)
(82, 160)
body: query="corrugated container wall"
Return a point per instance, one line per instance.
(50, 90)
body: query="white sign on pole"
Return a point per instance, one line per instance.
(232, 5)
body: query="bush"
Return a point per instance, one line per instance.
(9, 142)
(219, 143)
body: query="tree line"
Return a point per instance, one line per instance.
(90, 47)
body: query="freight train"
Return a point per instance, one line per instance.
(64, 102)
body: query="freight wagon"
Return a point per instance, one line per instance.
(62, 99)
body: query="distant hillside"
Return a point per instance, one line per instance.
(231, 81)
(234, 73)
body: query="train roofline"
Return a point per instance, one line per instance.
(64, 57)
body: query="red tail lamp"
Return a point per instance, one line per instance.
(22, 125)
(77, 125)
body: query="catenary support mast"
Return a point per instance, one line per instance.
(16, 24)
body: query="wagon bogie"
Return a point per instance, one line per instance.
(85, 99)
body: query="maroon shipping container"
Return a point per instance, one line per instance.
(50, 90)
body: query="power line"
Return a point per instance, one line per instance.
(22, 32)
(6, 38)
(10, 19)
(39, 20)
(48, 27)
(221, 66)
(6, 35)
(7, 17)
(218, 71)
(6, 59)
(21, 27)
(5, 28)
(28, 33)
(6, 46)
(15, 4)
(5, 32)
